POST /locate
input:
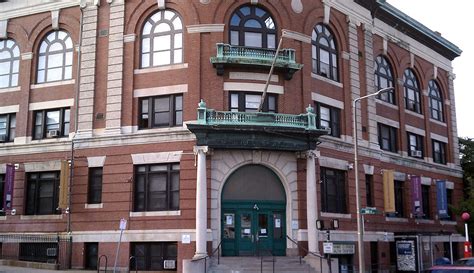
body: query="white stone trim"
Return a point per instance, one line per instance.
(205, 28)
(396, 219)
(160, 68)
(3, 168)
(336, 215)
(439, 137)
(438, 122)
(297, 6)
(26, 56)
(10, 89)
(94, 206)
(387, 121)
(161, 157)
(54, 165)
(155, 213)
(415, 130)
(51, 104)
(51, 84)
(384, 103)
(129, 38)
(253, 87)
(95, 161)
(426, 181)
(327, 100)
(327, 13)
(252, 76)
(399, 176)
(333, 163)
(161, 4)
(162, 235)
(296, 36)
(3, 29)
(450, 223)
(55, 19)
(162, 90)
(9, 109)
(225, 162)
(324, 79)
(42, 217)
(369, 169)
(449, 185)
(27, 8)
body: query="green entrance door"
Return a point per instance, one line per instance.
(248, 232)
(253, 213)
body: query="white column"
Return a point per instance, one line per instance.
(311, 202)
(201, 202)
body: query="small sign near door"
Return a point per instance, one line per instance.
(277, 223)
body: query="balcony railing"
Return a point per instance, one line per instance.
(212, 117)
(232, 55)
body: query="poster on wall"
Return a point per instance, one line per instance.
(406, 255)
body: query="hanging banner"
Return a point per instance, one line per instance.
(442, 199)
(63, 185)
(416, 196)
(9, 184)
(388, 191)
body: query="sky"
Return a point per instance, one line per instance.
(454, 20)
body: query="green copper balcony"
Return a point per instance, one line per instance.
(229, 55)
(268, 131)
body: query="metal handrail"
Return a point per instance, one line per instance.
(130, 262)
(321, 257)
(217, 249)
(98, 263)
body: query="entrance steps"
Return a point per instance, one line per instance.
(282, 264)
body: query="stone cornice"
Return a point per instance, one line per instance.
(16, 9)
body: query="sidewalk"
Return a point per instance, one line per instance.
(14, 269)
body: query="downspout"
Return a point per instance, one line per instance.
(76, 112)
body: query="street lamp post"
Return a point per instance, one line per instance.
(360, 229)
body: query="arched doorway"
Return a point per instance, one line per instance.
(253, 213)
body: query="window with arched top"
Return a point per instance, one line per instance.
(162, 39)
(324, 52)
(436, 101)
(384, 78)
(412, 91)
(9, 63)
(55, 57)
(252, 26)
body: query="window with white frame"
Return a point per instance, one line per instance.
(162, 39)
(9, 63)
(249, 102)
(384, 79)
(51, 123)
(415, 145)
(55, 56)
(436, 101)
(252, 26)
(7, 127)
(324, 52)
(412, 91)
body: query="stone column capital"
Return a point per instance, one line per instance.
(200, 149)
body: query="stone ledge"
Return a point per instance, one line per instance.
(29, 264)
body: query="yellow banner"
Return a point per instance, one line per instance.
(63, 185)
(388, 191)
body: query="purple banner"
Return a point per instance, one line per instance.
(9, 182)
(416, 196)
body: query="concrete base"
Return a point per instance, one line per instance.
(192, 266)
(26, 264)
(321, 265)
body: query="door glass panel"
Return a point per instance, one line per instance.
(262, 225)
(277, 226)
(245, 225)
(229, 226)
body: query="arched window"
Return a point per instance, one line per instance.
(162, 39)
(412, 91)
(436, 101)
(252, 26)
(324, 52)
(384, 78)
(55, 57)
(9, 63)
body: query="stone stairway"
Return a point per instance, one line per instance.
(255, 265)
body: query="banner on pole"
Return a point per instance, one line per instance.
(442, 199)
(9, 185)
(388, 191)
(416, 196)
(63, 185)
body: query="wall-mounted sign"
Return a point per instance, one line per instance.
(185, 238)
(338, 248)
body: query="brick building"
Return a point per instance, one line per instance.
(153, 104)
